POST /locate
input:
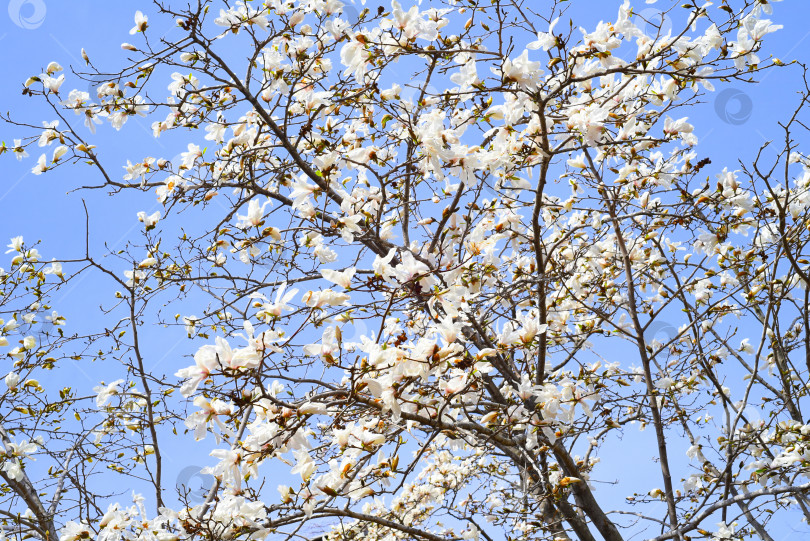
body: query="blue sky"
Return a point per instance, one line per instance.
(732, 124)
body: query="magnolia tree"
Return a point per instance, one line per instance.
(435, 263)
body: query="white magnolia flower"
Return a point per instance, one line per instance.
(15, 245)
(105, 392)
(341, 278)
(149, 220)
(140, 23)
(254, 215)
(12, 380)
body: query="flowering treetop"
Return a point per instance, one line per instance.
(431, 245)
